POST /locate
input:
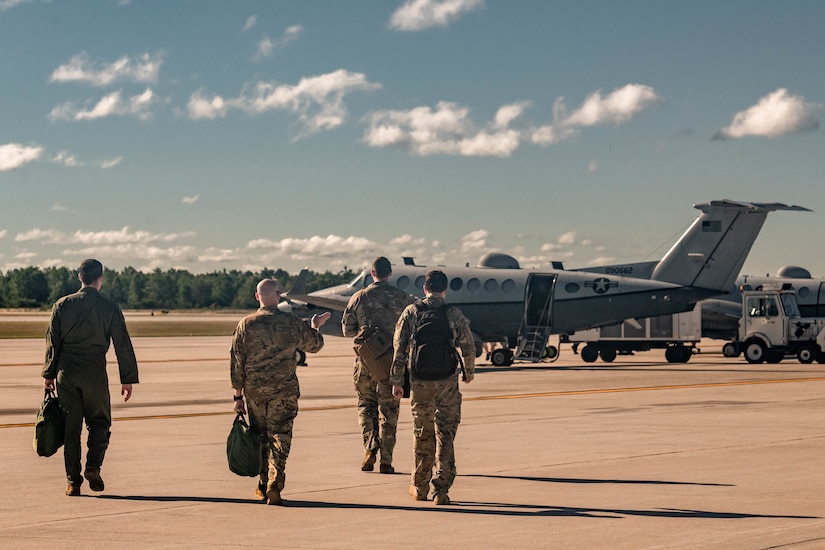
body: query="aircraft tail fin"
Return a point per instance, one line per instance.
(300, 284)
(710, 254)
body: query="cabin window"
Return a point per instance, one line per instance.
(490, 285)
(403, 282)
(803, 292)
(456, 284)
(473, 284)
(508, 285)
(419, 282)
(572, 288)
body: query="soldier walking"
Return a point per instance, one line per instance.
(262, 369)
(379, 304)
(426, 337)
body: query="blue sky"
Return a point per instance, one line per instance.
(207, 135)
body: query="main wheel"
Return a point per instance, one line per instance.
(755, 351)
(731, 350)
(807, 354)
(677, 354)
(501, 357)
(589, 353)
(607, 354)
(550, 353)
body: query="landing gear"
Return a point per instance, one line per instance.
(608, 354)
(502, 357)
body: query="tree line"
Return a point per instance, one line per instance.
(36, 288)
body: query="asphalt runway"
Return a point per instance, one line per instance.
(640, 453)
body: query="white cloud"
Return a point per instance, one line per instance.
(124, 235)
(219, 255)
(474, 240)
(416, 15)
(66, 159)
(619, 106)
(15, 155)
(81, 68)
(592, 167)
(265, 48)
(318, 100)
(777, 114)
(190, 200)
(251, 21)
(446, 130)
(113, 104)
(57, 207)
(9, 4)
(111, 163)
(3, 233)
(568, 238)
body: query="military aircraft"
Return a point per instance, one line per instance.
(523, 307)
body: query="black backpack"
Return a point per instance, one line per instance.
(433, 355)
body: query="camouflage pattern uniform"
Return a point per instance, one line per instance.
(77, 339)
(378, 304)
(436, 404)
(262, 363)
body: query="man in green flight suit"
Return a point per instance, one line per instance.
(81, 328)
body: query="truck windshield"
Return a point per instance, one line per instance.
(790, 305)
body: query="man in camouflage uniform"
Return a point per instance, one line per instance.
(436, 404)
(378, 304)
(81, 327)
(262, 369)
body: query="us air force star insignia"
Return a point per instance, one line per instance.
(600, 285)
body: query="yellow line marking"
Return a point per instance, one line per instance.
(480, 398)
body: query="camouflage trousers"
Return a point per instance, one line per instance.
(436, 412)
(271, 413)
(377, 413)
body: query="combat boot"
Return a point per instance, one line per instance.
(72, 490)
(441, 498)
(386, 469)
(260, 491)
(368, 463)
(95, 481)
(416, 494)
(273, 496)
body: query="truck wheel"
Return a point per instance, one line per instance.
(550, 353)
(687, 353)
(589, 353)
(820, 357)
(731, 350)
(755, 351)
(607, 354)
(806, 354)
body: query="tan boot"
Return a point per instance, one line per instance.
(368, 463)
(441, 498)
(416, 495)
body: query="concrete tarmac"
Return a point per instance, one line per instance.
(635, 454)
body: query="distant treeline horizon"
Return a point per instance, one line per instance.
(39, 288)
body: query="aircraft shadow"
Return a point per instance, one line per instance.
(597, 481)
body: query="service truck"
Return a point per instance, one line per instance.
(771, 328)
(677, 334)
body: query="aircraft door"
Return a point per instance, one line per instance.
(536, 325)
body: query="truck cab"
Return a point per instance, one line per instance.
(771, 327)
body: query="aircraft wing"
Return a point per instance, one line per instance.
(337, 303)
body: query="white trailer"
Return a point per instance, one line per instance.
(677, 334)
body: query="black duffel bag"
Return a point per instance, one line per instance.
(50, 426)
(243, 449)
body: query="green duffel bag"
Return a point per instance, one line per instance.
(50, 426)
(243, 449)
